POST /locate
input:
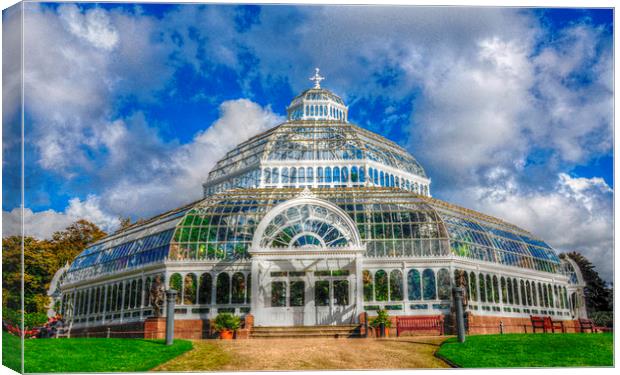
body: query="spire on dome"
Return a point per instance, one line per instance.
(317, 78)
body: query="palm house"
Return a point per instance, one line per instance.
(315, 222)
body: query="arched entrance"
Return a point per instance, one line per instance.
(306, 258)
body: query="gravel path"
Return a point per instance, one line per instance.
(308, 354)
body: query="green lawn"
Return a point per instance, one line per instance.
(11, 351)
(97, 354)
(530, 350)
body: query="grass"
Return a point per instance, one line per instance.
(530, 350)
(11, 352)
(308, 354)
(97, 354)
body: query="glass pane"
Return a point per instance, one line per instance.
(176, 283)
(413, 286)
(298, 289)
(222, 288)
(428, 282)
(189, 292)
(238, 288)
(341, 292)
(381, 286)
(443, 281)
(278, 294)
(321, 293)
(204, 296)
(396, 285)
(367, 280)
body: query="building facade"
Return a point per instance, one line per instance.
(314, 222)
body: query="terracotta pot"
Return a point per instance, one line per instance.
(226, 334)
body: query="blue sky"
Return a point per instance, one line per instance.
(129, 106)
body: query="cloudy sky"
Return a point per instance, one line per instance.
(128, 106)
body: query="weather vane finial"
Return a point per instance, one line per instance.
(317, 79)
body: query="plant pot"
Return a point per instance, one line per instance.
(226, 334)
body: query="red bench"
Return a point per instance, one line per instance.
(419, 323)
(585, 324)
(546, 324)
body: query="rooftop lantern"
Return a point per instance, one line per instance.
(317, 104)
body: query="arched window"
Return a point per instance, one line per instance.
(545, 295)
(504, 290)
(301, 178)
(310, 174)
(97, 299)
(222, 289)
(134, 293)
(483, 291)
(293, 175)
(515, 290)
(139, 296)
(376, 176)
(370, 174)
(397, 181)
(204, 289)
(541, 299)
(344, 173)
(119, 296)
(176, 283)
(147, 292)
(285, 175)
(443, 284)
(275, 175)
(509, 288)
(328, 174)
(128, 294)
(396, 285)
(368, 289)
(495, 289)
(319, 174)
(354, 176)
(248, 293)
(551, 302)
(381, 286)
(336, 174)
(413, 285)
(108, 303)
(489, 286)
(392, 180)
(238, 288)
(473, 287)
(382, 178)
(428, 284)
(534, 302)
(528, 291)
(523, 293)
(555, 295)
(268, 175)
(565, 294)
(189, 289)
(362, 175)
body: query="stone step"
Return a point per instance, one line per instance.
(349, 330)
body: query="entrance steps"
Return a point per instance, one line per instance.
(335, 331)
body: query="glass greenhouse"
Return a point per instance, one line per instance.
(315, 222)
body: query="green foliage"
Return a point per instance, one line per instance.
(42, 258)
(382, 318)
(603, 318)
(98, 354)
(227, 321)
(530, 350)
(598, 296)
(31, 320)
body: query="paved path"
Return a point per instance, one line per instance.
(308, 354)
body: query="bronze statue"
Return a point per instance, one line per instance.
(461, 282)
(157, 296)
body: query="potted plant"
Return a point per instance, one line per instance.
(382, 322)
(226, 324)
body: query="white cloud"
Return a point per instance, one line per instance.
(43, 224)
(575, 216)
(93, 26)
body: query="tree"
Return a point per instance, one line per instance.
(42, 258)
(598, 296)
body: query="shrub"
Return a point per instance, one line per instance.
(382, 317)
(227, 321)
(603, 318)
(31, 320)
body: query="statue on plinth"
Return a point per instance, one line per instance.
(157, 294)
